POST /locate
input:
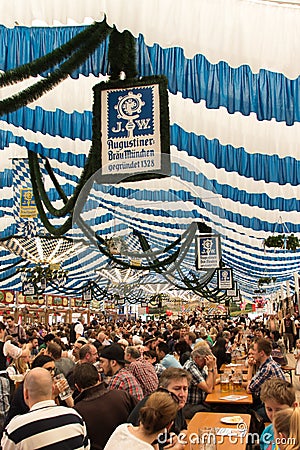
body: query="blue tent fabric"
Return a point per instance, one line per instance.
(234, 160)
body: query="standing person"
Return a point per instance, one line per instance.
(41, 426)
(297, 357)
(288, 331)
(79, 328)
(156, 416)
(272, 323)
(17, 332)
(76, 330)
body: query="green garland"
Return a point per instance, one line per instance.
(35, 91)
(122, 57)
(44, 63)
(122, 54)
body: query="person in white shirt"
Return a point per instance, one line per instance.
(157, 415)
(79, 328)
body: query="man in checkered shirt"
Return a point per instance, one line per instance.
(202, 367)
(268, 368)
(113, 363)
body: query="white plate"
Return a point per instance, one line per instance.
(231, 420)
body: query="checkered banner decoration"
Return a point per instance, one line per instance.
(21, 186)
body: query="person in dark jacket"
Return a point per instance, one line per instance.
(103, 410)
(219, 351)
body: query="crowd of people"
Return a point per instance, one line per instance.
(137, 383)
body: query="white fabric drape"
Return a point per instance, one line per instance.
(238, 31)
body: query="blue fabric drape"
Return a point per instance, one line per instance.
(218, 84)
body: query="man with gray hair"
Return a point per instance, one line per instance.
(42, 426)
(142, 369)
(203, 369)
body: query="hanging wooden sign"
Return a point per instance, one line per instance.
(131, 129)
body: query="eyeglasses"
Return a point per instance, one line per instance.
(171, 394)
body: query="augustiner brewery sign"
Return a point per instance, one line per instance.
(134, 129)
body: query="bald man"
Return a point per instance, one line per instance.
(42, 426)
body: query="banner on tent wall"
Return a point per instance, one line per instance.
(7, 297)
(225, 278)
(77, 303)
(208, 251)
(133, 125)
(30, 299)
(57, 300)
(27, 204)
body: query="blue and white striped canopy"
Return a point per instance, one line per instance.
(233, 79)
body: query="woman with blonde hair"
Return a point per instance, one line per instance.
(286, 429)
(19, 366)
(156, 419)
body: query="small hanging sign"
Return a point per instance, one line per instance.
(87, 295)
(232, 292)
(27, 203)
(208, 250)
(225, 278)
(28, 288)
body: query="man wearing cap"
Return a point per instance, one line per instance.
(113, 363)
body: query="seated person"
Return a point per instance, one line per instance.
(267, 369)
(286, 428)
(155, 418)
(276, 394)
(203, 368)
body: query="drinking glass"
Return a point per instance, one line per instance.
(207, 438)
(67, 392)
(224, 382)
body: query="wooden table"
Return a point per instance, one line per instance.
(214, 397)
(204, 419)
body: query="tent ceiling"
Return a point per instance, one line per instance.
(233, 93)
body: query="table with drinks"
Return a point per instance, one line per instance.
(230, 389)
(217, 431)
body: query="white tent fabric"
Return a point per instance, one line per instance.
(234, 116)
(253, 32)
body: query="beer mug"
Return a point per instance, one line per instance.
(224, 382)
(67, 392)
(237, 381)
(207, 438)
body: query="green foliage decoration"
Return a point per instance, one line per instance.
(290, 242)
(94, 37)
